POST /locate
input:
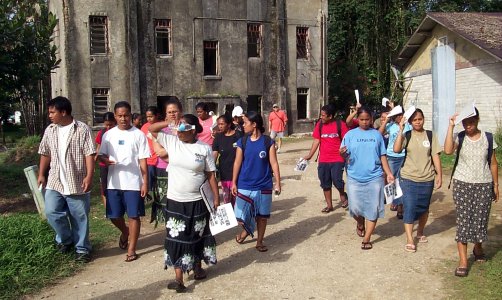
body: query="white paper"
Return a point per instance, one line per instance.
(207, 195)
(409, 112)
(384, 101)
(357, 95)
(467, 112)
(40, 187)
(392, 191)
(223, 219)
(301, 165)
(395, 111)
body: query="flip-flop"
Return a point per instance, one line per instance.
(327, 210)
(410, 248)
(261, 248)
(123, 244)
(131, 257)
(461, 272)
(200, 275)
(393, 207)
(422, 239)
(366, 245)
(177, 286)
(360, 231)
(345, 203)
(239, 239)
(479, 257)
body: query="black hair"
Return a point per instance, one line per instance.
(175, 102)
(255, 117)
(329, 109)
(203, 106)
(121, 104)
(477, 113)
(365, 109)
(193, 120)
(414, 114)
(109, 116)
(227, 119)
(153, 109)
(135, 116)
(61, 104)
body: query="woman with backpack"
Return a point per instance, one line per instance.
(420, 173)
(255, 160)
(475, 186)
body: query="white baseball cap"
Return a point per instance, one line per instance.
(237, 111)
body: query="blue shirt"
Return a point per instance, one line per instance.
(255, 173)
(392, 129)
(365, 147)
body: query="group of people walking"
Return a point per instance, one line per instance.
(174, 154)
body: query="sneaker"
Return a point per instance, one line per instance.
(83, 257)
(62, 248)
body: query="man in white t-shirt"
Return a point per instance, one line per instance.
(124, 149)
(67, 147)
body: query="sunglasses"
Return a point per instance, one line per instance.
(185, 127)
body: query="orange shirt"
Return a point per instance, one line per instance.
(152, 160)
(277, 120)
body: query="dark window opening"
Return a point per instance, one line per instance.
(302, 42)
(99, 105)
(210, 57)
(98, 34)
(228, 109)
(254, 103)
(163, 36)
(254, 39)
(302, 103)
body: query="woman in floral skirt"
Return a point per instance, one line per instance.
(188, 240)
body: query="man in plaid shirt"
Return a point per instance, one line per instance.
(68, 149)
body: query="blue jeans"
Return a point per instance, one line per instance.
(68, 215)
(395, 164)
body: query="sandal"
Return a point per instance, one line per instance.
(360, 231)
(461, 272)
(327, 210)
(199, 274)
(131, 257)
(177, 286)
(366, 245)
(399, 215)
(345, 203)
(422, 239)
(393, 207)
(239, 239)
(261, 248)
(410, 248)
(123, 244)
(479, 257)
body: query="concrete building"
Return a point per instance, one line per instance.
(451, 60)
(225, 52)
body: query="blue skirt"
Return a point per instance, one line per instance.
(416, 199)
(366, 199)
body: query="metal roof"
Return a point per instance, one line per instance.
(482, 29)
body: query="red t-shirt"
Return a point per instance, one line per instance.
(152, 160)
(99, 137)
(330, 141)
(277, 120)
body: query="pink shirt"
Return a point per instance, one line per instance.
(162, 164)
(277, 120)
(206, 134)
(330, 141)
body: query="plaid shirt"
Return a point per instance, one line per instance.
(79, 146)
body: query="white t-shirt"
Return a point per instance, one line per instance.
(63, 135)
(125, 148)
(187, 166)
(473, 164)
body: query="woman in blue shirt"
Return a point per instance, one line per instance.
(366, 161)
(255, 159)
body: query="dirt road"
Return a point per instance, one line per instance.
(311, 255)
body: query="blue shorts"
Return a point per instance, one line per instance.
(119, 202)
(331, 174)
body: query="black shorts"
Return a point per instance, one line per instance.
(331, 174)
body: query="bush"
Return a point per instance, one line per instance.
(25, 153)
(27, 256)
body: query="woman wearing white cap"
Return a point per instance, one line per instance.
(237, 113)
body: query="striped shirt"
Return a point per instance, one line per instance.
(79, 146)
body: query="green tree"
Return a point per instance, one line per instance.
(26, 58)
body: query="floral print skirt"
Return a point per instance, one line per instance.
(188, 238)
(473, 202)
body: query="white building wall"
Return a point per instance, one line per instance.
(420, 95)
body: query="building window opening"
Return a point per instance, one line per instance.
(100, 104)
(163, 36)
(98, 35)
(302, 42)
(211, 57)
(254, 103)
(302, 96)
(254, 39)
